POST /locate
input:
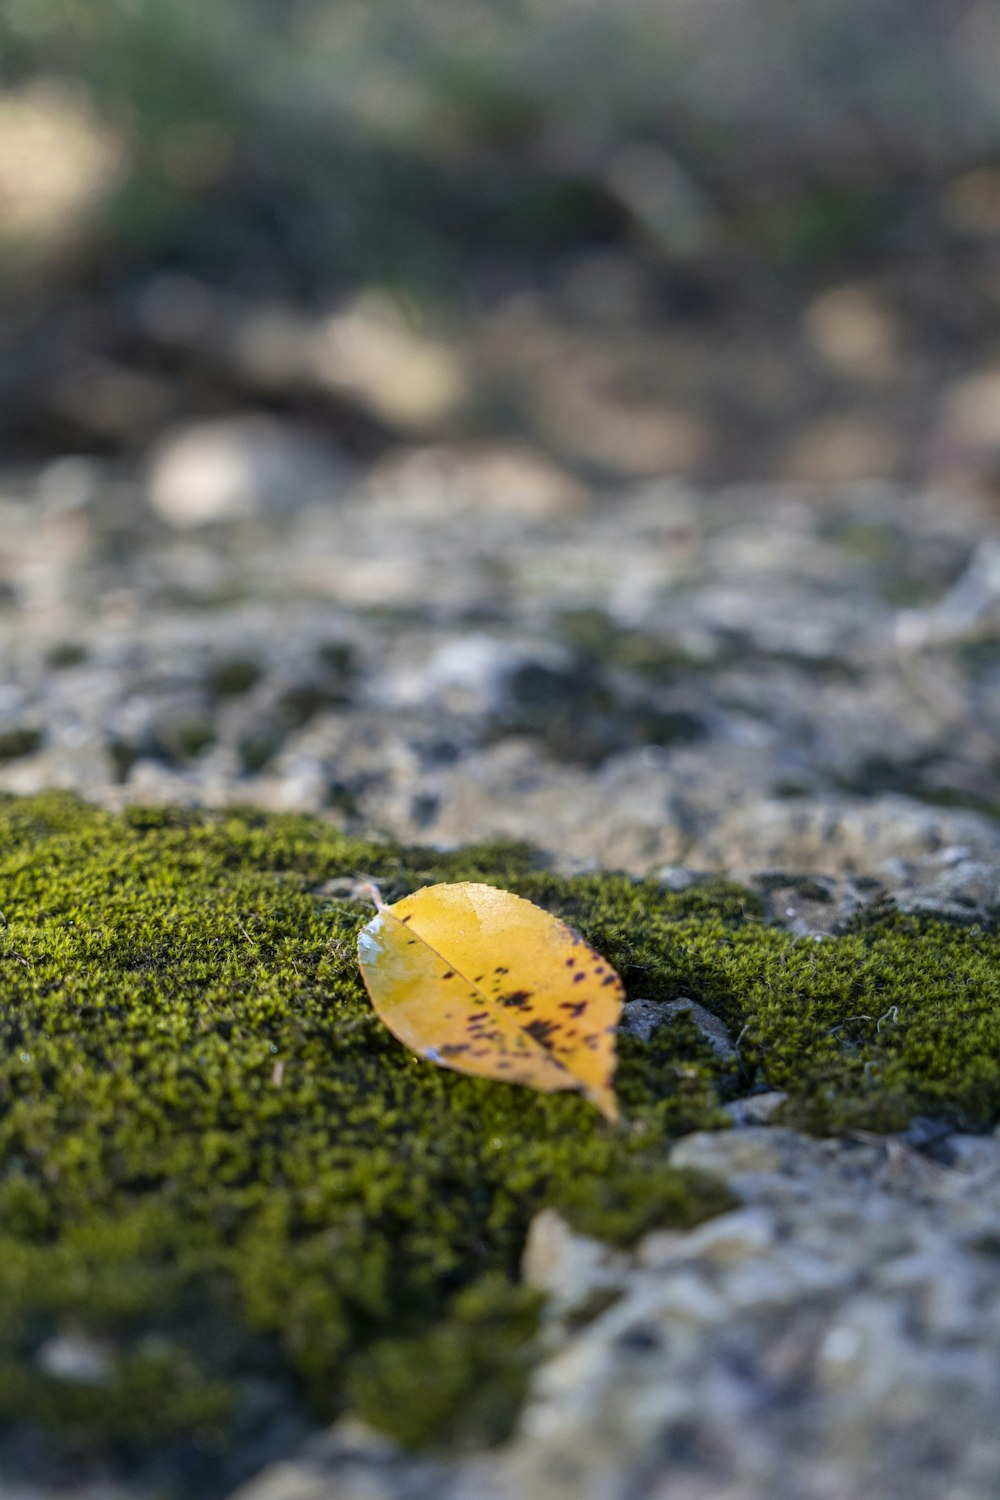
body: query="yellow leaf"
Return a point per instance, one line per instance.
(480, 980)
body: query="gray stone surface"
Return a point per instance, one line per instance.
(798, 686)
(643, 1018)
(447, 648)
(833, 1338)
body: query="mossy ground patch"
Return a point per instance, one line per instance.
(219, 1168)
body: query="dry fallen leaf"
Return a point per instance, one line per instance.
(480, 980)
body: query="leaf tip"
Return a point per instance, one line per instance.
(605, 1100)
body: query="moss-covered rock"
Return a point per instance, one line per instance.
(218, 1168)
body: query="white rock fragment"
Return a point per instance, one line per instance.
(236, 469)
(570, 1268)
(756, 1109)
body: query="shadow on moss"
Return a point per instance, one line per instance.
(218, 1168)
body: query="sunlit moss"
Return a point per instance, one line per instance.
(218, 1167)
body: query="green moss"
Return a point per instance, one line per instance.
(185, 740)
(298, 704)
(621, 1207)
(15, 743)
(466, 1376)
(257, 748)
(218, 1165)
(234, 676)
(66, 654)
(601, 640)
(152, 1394)
(211, 1152)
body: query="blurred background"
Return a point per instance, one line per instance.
(728, 239)
(385, 309)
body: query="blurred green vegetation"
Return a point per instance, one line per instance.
(329, 139)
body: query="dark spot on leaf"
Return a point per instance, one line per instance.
(542, 1030)
(578, 977)
(517, 999)
(576, 1008)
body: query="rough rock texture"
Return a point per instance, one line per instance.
(799, 686)
(833, 1338)
(643, 1018)
(752, 680)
